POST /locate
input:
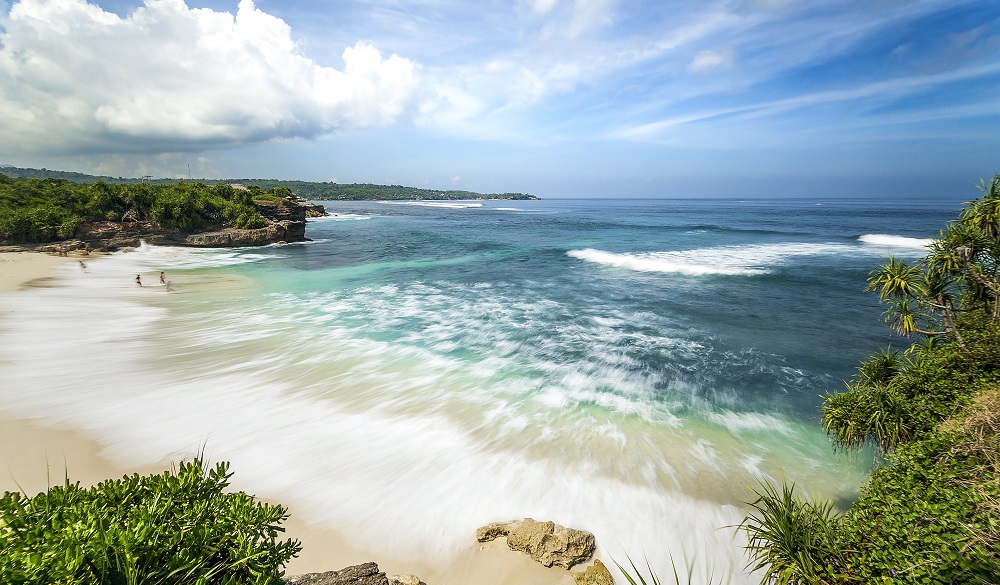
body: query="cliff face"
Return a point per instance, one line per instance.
(286, 223)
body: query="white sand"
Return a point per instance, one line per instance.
(33, 457)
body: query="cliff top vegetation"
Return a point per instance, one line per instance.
(930, 513)
(319, 191)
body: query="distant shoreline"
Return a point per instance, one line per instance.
(310, 190)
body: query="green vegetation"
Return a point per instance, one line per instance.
(930, 513)
(46, 210)
(634, 575)
(173, 528)
(306, 189)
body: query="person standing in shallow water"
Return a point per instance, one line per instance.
(163, 280)
(138, 279)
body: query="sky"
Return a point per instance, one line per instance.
(557, 98)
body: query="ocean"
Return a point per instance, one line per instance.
(420, 369)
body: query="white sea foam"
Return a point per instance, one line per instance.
(439, 204)
(508, 209)
(740, 422)
(390, 434)
(889, 241)
(721, 260)
(338, 217)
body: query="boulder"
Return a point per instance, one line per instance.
(366, 574)
(405, 580)
(495, 530)
(546, 542)
(596, 574)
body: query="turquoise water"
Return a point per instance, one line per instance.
(421, 369)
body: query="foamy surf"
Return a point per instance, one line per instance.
(437, 204)
(422, 443)
(746, 260)
(890, 241)
(338, 217)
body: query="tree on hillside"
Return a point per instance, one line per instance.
(961, 273)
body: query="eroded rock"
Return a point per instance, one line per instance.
(366, 574)
(494, 531)
(405, 580)
(546, 542)
(596, 574)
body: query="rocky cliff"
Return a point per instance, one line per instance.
(286, 222)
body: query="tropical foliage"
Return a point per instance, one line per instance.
(174, 528)
(930, 513)
(305, 189)
(45, 210)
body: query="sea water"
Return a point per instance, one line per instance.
(419, 369)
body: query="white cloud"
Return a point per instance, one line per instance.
(876, 92)
(711, 60)
(589, 15)
(74, 78)
(538, 7)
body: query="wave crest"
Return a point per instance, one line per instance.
(722, 260)
(890, 241)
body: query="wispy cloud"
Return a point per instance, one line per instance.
(893, 89)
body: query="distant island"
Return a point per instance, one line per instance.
(326, 191)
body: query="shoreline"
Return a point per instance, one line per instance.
(34, 456)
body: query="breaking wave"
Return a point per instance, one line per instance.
(721, 260)
(888, 241)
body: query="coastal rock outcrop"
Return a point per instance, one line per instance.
(546, 542)
(365, 574)
(286, 222)
(281, 231)
(313, 209)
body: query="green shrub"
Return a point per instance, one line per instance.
(792, 540)
(175, 528)
(917, 518)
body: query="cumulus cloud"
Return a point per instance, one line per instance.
(74, 78)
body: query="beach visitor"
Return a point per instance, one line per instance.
(83, 267)
(138, 279)
(162, 279)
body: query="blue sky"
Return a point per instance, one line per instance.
(559, 98)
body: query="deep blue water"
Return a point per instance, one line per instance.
(779, 313)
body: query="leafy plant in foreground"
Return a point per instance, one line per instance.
(176, 527)
(792, 540)
(635, 576)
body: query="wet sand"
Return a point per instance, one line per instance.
(34, 456)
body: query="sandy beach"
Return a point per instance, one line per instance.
(33, 456)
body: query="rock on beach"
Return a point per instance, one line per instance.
(546, 542)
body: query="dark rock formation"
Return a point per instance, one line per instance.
(546, 542)
(366, 574)
(313, 209)
(282, 231)
(281, 210)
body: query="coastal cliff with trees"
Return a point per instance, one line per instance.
(930, 414)
(68, 215)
